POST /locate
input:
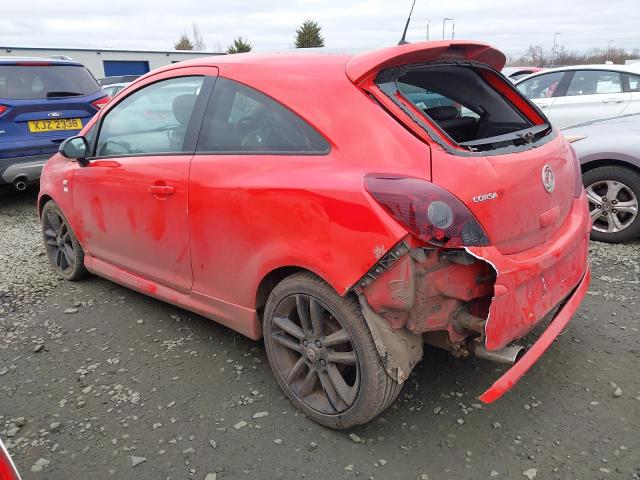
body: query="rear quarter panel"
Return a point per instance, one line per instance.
(251, 214)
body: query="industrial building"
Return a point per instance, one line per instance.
(108, 62)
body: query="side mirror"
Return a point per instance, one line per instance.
(75, 148)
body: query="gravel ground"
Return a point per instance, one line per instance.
(96, 380)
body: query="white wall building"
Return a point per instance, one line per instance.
(109, 62)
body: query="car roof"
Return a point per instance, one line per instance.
(610, 67)
(358, 64)
(10, 60)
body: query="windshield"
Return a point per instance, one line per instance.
(31, 82)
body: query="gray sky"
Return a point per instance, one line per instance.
(347, 25)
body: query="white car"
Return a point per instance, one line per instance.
(581, 93)
(114, 88)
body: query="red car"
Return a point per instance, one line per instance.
(306, 200)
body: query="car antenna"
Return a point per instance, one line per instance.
(404, 34)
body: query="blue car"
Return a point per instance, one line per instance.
(42, 102)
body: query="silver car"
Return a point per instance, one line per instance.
(609, 152)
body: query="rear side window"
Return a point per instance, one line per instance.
(240, 119)
(541, 86)
(459, 100)
(31, 82)
(592, 82)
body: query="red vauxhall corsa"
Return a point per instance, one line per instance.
(346, 209)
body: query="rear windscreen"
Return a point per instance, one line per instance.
(30, 82)
(460, 102)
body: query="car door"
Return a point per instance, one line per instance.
(542, 90)
(132, 196)
(248, 140)
(590, 95)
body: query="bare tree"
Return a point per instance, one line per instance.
(535, 56)
(198, 40)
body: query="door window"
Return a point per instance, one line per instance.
(633, 82)
(240, 119)
(151, 120)
(541, 86)
(592, 82)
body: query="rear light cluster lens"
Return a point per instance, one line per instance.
(3, 109)
(427, 211)
(101, 102)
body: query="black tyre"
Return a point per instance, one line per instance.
(614, 195)
(322, 354)
(63, 250)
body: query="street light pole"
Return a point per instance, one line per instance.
(609, 49)
(428, 24)
(444, 21)
(553, 52)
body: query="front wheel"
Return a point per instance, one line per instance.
(63, 249)
(322, 354)
(613, 193)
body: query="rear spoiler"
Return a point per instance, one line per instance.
(364, 65)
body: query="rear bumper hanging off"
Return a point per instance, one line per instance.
(560, 321)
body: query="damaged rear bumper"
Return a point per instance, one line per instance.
(560, 321)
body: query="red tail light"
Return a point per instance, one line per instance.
(427, 211)
(3, 109)
(101, 102)
(7, 469)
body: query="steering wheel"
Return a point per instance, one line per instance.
(258, 131)
(121, 148)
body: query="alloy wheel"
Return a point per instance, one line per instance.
(613, 206)
(58, 242)
(315, 354)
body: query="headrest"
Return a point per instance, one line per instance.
(442, 113)
(182, 107)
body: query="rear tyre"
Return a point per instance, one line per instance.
(63, 249)
(322, 354)
(613, 193)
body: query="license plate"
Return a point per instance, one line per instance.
(36, 126)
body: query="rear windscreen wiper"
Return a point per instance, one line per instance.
(525, 136)
(63, 94)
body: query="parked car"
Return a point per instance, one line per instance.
(42, 102)
(103, 82)
(345, 228)
(8, 470)
(609, 151)
(581, 93)
(516, 73)
(114, 88)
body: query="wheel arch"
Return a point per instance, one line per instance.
(607, 162)
(273, 278)
(42, 201)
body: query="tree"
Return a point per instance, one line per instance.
(308, 35)
(198, 41)
(240, 45)
(183, 43)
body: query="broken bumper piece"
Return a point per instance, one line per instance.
(560, 321)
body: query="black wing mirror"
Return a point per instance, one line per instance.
(75, 148)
